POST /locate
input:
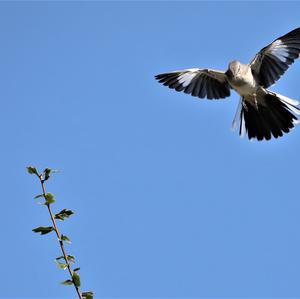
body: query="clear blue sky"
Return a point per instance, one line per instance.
(169, 202)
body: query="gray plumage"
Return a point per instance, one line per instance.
(261, 113)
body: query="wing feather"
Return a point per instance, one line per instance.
(273, 60)
(200, 83)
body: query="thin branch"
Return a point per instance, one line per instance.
(61, 243)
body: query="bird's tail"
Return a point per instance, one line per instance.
(265, 115)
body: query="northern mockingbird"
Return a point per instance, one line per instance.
(261, 112)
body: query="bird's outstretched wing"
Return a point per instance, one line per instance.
(273, 60)
(197, 82)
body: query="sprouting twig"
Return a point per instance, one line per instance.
(65, 213)
(61, 243)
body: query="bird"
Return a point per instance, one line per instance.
(261, 113)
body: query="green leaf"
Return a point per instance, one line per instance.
(43, 229)
(88, 295)
(47, 172)
(32, 170)
(67, 282)
(76, 279)
(65, 238)
(62, 265)
(70, 258)
(39, 196)
(76, 269)
(59, 257)
(65, 213)
(49, 199)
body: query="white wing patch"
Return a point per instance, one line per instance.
(186, 78)
(280, 50)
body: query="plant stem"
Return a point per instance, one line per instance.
(61, 243)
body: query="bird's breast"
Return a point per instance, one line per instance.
(244, 85)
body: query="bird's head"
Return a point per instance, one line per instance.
(233, 69)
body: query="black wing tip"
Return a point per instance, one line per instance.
(163, 76)
(296, 30)
(292, 34)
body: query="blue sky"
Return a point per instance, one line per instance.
(169, 202)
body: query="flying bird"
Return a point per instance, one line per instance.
(261, 113)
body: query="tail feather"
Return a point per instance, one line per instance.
(266, 115)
